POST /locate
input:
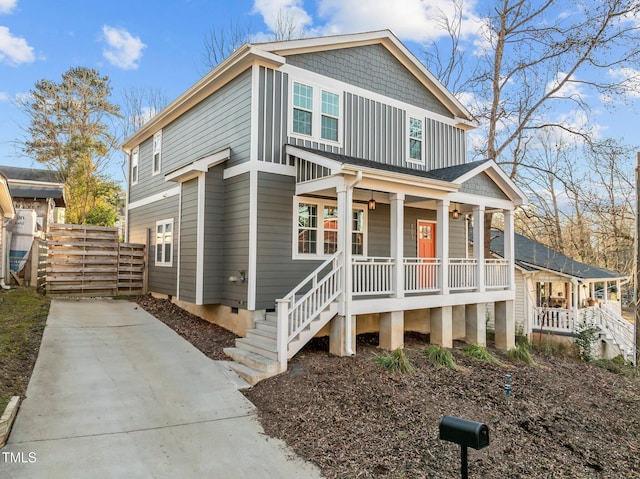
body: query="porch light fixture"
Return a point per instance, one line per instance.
(455, 214)
(372, 202)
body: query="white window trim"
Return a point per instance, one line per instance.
(321, 203)
(135, 162)
(316, 112)
(164, 263)
(157, 150)
(422, 160)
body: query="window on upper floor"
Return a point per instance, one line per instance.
(316, 113)
(157, 152)
(416, 140)
(135, 155)
(317, 229)
(164, 243)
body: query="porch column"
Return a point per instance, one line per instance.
(476, 324)
(442, 326)
(344, 324)
(478, 244)
(459, 326)
(442, 245)
(391, 330)
(505, 325)
(509, 248)
(397, 243)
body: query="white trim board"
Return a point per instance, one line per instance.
(154, 198)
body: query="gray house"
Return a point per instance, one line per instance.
(319, 186)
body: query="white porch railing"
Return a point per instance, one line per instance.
(421, 275)
(372, 276)
(463, 273)
(496, 273)
(306, 301)
(554, 320)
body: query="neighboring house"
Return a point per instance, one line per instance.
(7, 220)
(556, 295)
(38, 190)
(317, 186)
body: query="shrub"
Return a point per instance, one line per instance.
(480, 353)
(521, 353)
(396, 362)
(439, 357)
(617, 365)
(587, 335)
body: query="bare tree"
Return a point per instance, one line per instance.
(138, 105)
(222, 42)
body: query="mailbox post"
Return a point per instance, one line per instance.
(467, 434)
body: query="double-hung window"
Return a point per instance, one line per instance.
(164, 243)
(135, 156)
(157, 152)
(316, 113)
(316, 233)
(416, 140)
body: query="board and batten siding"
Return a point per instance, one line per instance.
(219, 121)
(277, 273)
(142, 229)
(372, 130)
(188, 240)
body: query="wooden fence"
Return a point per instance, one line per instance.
(90, 261)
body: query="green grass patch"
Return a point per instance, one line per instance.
(396, 362)
(480, 353)
(23, 314)
(617, 365)
(439, 357)
(522, 354)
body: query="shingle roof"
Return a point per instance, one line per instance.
(532, 255)
(449, 174)
(29, 174)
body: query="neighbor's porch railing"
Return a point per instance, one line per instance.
(554, 320)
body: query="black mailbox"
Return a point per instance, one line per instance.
(464, 432)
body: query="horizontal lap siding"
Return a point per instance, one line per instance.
(188, 241)
(277, 272)
(219, 121)
(214, 233)
(235, 239)
(142, 227)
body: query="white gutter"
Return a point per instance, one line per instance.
(347, 262)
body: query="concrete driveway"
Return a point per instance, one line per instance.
(117, 394)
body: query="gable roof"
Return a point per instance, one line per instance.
(533, 256)
(273, 54)
(34, 183)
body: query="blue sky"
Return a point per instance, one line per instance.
(160, 44)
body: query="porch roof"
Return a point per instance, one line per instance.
(532, 256)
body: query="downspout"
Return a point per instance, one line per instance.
(347, 262)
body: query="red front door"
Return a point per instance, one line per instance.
(427, 252)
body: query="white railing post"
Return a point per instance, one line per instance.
(282, 340)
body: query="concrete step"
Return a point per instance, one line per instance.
(264, 329)
(253, 361)
(265, 337)
(267, 326)
(271, 317)
(262, 348)
(250, 375)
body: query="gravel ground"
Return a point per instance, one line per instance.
(565, 419)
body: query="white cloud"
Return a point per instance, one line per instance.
(288, 10)
(123, 49)
(14, 50)
(569, 90)
(410, 20)
(6, 6)
(628, 78)
(4, 96)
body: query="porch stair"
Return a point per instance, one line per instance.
(300, 315)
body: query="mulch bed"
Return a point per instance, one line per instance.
(565, 419)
